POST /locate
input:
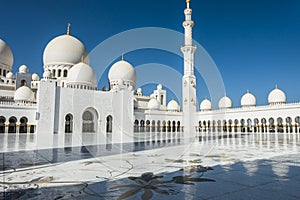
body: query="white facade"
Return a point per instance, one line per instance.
(66, 100)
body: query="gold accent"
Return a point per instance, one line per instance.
(68, 29)
(82, 59)
(188, 1)
(185, 100)
(123, 56)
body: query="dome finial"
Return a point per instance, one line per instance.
(248, 91)
(68, 29)
(276, 86)
(188, 3)
(122, 56)
(82, 59)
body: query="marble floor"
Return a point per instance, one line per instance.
(254, 166)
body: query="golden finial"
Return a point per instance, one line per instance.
(276, 86)
(122, 56)
(188, 1)
(82, 59)
(68, 29)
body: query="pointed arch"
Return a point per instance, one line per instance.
(69, 123)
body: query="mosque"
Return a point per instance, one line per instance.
(66, 99)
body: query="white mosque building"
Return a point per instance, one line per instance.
(66, 99)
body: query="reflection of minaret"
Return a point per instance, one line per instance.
(188, 79)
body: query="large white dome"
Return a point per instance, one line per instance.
(24, 93)
(276, 96)
(173, 106)
(64, 49)
(82, 73)
(6, 56)
(153, 104)
(225, 102)
(248, 100)
(122, 70)
(205, 105)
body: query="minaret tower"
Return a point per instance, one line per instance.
(188, 79)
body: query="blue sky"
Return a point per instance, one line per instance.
(254, 43)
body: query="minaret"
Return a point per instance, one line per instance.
(188, 79)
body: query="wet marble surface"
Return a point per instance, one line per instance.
(256, 166)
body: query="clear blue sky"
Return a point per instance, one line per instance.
(255, 43)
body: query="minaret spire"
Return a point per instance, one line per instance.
(188, 79)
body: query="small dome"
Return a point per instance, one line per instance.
(82, 73)
(6, 56)
(159, 87)
(24, 93)
(122, 70)
(173, 106)
(47, 74)
(276, 96)
(23, 69)
(139, 90)
(248, 100)
(205, 105)
(9, 75)
(64, 49)
(35, 77)
(153, 104)
(225, 102)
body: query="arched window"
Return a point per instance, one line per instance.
(69, 123)
(169, 126)
(23, 125)
(173, 126)
(279, 125)
(242, 125)
(109, 120)
(65, 73)
(4, 72)
(178, 126)
(2, 124)
(59, 73)
(23, 82)
(164, 126)
(249, 125)
(256, 125)
(271, 125)
(158, 126)
(89, 120)
(136, 125)
(142, 128)
(12, 125)
(0, 71)
(289, 126)
(53, 72)
(153, 126)
(147, 126)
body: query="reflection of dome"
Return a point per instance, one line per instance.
(276, 96)
(173, 106)
(23, 69)
(9, 75)
(248, 100)
(225, 102)
(153, 104)
(205, 105)
(24, 94)
(6, 56)
(35, 77)
(82, 73)
(64, 49)
(124, 71)
(47, 75)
